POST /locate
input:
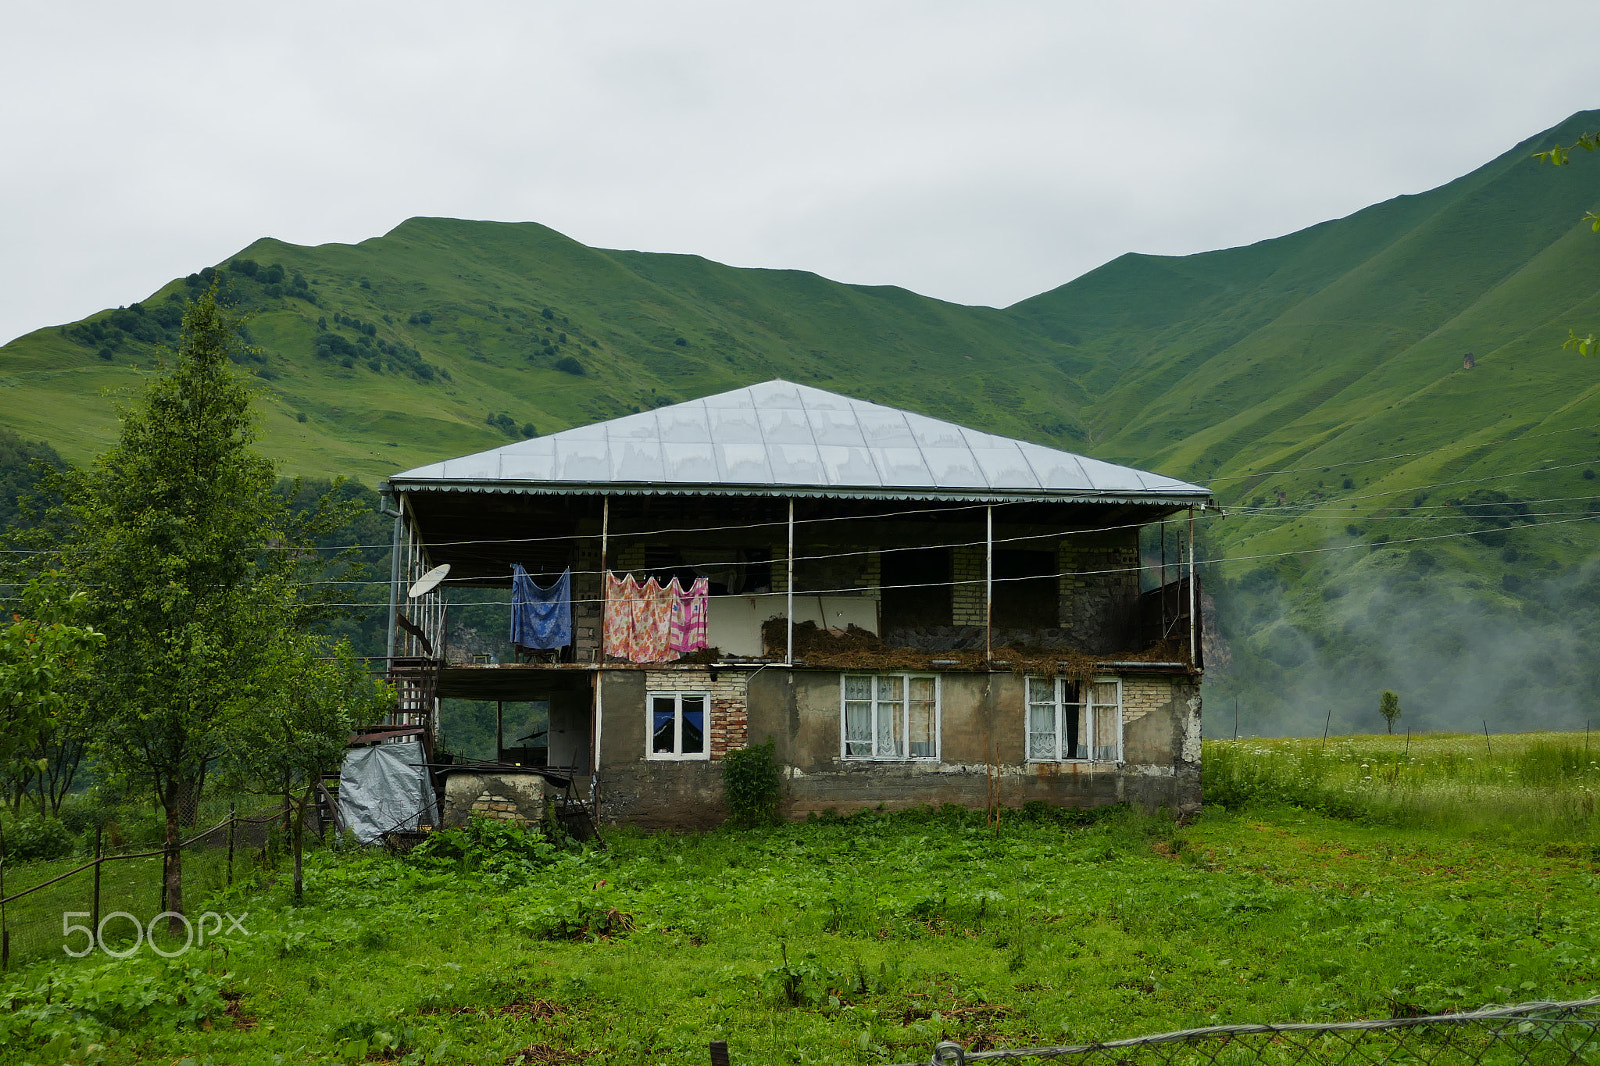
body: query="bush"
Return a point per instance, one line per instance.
(36, 839)
(501, 851)
(752, 784)
(568, 365)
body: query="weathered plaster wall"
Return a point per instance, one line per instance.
(982, 731)
(667, 793)
(506, 797)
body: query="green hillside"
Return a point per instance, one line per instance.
(1314, 353)
(460, 332)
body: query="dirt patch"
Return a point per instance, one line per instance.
(524, 1009)
(545, 1055)
(234, 1011)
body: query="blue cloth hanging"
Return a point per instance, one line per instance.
(540, 618)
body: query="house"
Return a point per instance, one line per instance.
(913, 611)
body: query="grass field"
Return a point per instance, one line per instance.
(865, 940)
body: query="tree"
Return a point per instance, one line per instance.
(315, 694)
(40, 650)
(1559, 156)
(188, 559)
(1389, 707)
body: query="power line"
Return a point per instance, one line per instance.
(1397, 455)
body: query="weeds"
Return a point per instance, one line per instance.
(1537, 787)
(869, 938)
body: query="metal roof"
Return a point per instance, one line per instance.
(783, 439)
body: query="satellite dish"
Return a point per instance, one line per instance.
(427, 582)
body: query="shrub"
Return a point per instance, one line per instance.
(752, 784)
(36, 839)
(501, 851)
(568, 365)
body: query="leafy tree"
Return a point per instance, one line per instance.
(22, 463)
(1560, 155)
(313, 697)
(189, 560)
(40, 649)
(1389, 707)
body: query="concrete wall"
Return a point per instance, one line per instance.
(501, 795)
(982, 739)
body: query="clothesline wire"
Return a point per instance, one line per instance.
(1208, 515)
(1065, 573)
(780, 560)
(1237, 509)
(1048, 535)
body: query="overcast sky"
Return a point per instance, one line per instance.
(978, 152)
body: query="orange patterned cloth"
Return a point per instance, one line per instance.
(638, 620)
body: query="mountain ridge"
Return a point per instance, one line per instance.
(1274, 371)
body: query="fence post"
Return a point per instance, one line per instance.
(719, 1053)
(231, 807)
(94, 911)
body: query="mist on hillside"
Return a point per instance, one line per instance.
(1461, 656)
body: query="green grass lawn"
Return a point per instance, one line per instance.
(863, 940)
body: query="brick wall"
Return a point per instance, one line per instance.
(780, 566)
(967, 607)
(586, 611)
(730, 719)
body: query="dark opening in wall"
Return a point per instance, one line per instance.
(1025, 589)
(926, 604)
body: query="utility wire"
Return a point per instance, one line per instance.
(1397, 455)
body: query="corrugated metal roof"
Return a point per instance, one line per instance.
(779, 438)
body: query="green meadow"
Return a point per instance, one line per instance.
(1360, 880)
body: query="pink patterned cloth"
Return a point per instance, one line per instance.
(688, 616)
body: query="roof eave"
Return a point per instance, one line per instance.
(1172, 497)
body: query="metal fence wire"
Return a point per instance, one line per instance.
(1528, 1034)
(125, 879)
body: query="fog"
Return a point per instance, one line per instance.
(1461, 653)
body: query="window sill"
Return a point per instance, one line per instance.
(653, 757)
(1073, 762)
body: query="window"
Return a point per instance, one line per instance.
(1070, 721)
(678, 725)
(890, 716)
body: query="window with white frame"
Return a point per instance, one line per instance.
(678, 725)
(1069, 721)
(890, 716)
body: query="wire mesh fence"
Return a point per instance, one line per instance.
(110, 897)
(1528, 1034)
